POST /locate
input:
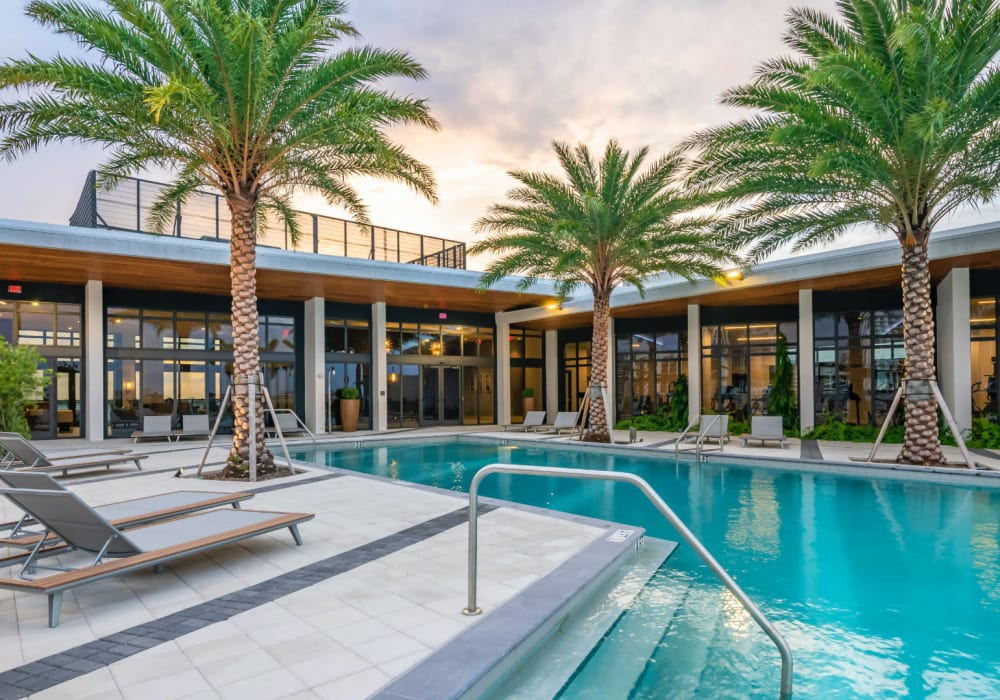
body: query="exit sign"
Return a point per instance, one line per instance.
(443, 316)
(14, 289)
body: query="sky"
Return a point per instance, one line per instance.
(506, 78)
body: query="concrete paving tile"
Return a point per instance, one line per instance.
(279, 683)
(354, 687)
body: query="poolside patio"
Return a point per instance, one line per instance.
(376, 588)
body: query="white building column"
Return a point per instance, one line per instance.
(94, 407)
(551, 375)
(694, 362)
(379, 377)
(954, 347)
(807, 362)
(501, 388)
(610, 374)
(315, 364)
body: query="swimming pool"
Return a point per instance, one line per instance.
(884, 588)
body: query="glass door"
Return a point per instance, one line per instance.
(57, 412)
(441, 396)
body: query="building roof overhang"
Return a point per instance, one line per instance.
(72, 255)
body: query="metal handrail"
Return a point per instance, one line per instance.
(783, 649)
(703, 434)
(298, 421)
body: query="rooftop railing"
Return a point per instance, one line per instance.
(205, 216)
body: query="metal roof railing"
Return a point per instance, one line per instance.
(205, 216)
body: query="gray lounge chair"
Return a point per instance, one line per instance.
(533, 420)
(194, 425)
(765, 429)
(122, 514)
(9, 459)
(82, 528)
(565, 420)
(30, 458)
(154, 427)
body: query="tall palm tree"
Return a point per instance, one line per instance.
(601, 226)
(889, 115)
(242, 95)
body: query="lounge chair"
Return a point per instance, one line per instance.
(82, 528)
(121, 514)
(565, 420)
(30, 458)
(532, 421)
(194, 425)
(765, 429)
(155, 427)
(10, 459)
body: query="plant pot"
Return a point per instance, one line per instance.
(349, 410)
(528, 404)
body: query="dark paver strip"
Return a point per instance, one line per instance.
(65, 665)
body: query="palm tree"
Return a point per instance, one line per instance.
(602, 226)
(241, 95)
(889, 115)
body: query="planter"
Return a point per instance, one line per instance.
(349, 409)
(528, 404)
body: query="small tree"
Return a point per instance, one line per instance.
(781, 398)
(677, 416)
(19, 381)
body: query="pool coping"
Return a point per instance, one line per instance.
(983, 478)
(477, 658)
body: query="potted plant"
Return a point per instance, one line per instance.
(350, 407)
(528, 399)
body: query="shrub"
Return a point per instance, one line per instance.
(350, 392)
(781, 397)
(984, 433)
(528, 393)
(19, 380)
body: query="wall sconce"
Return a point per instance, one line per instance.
(392, 376)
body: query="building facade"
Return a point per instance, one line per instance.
(132, 324)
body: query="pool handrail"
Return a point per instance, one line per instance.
(560, 472)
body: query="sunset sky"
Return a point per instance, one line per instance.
(506, 78)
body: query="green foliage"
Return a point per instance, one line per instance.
(848, 432)
(350, 392)
(528, 393)
(985, 433)
(601, 225)
(781, 397)
(670, 420)
(19, 380)
(885, 114)
(677, 415)
(249, 97)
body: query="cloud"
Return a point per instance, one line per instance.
(505, 80)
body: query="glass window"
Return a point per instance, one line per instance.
(410, 339)
(533, 345)
(280, 334)
(191, 334)
(393, 341)
(157, 330)
(358, 337)
(36, 323)
(123, 328)
(220, 329)
(7, 321)
(336, 338)
(451, 340)
(486, 342)
(983, 362)
(430, 339)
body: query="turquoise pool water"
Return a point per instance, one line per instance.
(883, 588)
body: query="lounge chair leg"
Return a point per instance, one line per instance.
(138, 465)
(236, 505)
(55, 607)
(159, 569)
(294, 529)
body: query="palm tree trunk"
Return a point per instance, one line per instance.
(246, 339)
(598, 429)
(921, 445)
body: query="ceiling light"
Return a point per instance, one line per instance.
(734, 275)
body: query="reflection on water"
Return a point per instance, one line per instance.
(884, 589)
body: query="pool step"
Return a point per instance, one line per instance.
(559, 657)
(612, 668)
